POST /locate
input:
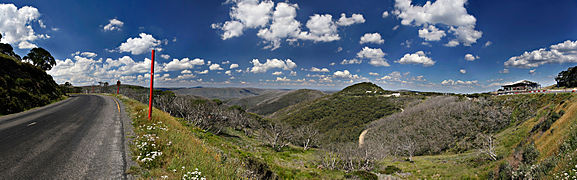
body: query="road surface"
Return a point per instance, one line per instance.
(79, 138)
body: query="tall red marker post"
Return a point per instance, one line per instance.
(118, 87)
(151, 88)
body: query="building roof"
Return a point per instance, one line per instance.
(522, 83)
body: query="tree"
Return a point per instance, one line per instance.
(567, 78)
(488, 146)
(307, 136)
(41, 58)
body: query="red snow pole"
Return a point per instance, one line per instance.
(151, 88)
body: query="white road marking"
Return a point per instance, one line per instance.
(31, 124)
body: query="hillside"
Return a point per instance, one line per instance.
(342, 116)
(223, 93)
(271, 102)
(24, 86)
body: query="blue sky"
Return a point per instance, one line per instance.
(415, 45)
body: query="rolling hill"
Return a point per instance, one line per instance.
(273, 101)
(342, 116)
(223, 93)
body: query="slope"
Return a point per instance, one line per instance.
(223, 93)
(271, 102)
(342, 116)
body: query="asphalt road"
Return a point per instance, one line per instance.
(79, 138)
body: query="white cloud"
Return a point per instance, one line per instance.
(186, 71)
(431, 33)
(165, 56)
(488, 43)
(396, 27)
(228, 72)
(293, 73)
(185, 63)
(463, 71)
(470, 57)
(139, 45)
(202, 72)
(283, 25)
(215, 67)
(245, 14)
(354, 19)
(232, 66)
(532, 71)
(393, 76)
(372, 38)
(277, 73)
(345, 74)
(314, 69)
(385, 14)
(373, 74)
(451, 13)
(321, 29)
(88, 54)
(458, 82)
(271, 64)
(452, 43)
(376, 56)
(113, 25)
(565, 52)
(504, 71)
(351, 61)
(16, 25)
(332, 64)
(283, 79)
(417, 58)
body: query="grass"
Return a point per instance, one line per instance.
(182, 152)
(232, 156)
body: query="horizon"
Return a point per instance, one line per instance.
(398, 44)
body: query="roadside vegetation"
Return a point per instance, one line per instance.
(24, 83)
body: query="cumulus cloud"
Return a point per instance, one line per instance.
(165, 56)
(277, 73)
(345, 74)
(470, 57)
(373, 74)
(202, 72)
(215, 67)
(88, 54)
(186, 71)
(283, 79)
(450, 13)
(504, 71)
(431, 33)
(139, 45)
(281, 24)
(86, 70)
(565, 52)
(376, 56)
(228, 72)
(322, 28)
(451, 82)
(372, 38)
(113, 25)
(185, 63)
(232, 66)
(417, 58)
(351, 61)
(16, 26)
(271, 64)
(463, 71)
(385, 14)
(314, 69)
(488, 43)
(354, 19)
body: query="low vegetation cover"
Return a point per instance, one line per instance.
(486, 137)
(269, 103)
(25, 84)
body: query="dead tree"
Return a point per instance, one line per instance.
(488, 146)
(307, 136)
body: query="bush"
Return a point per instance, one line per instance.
(391, 170)
(365, 175)
(530, 154)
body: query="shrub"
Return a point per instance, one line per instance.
(365, 175)
(530, 154)
(391, 170)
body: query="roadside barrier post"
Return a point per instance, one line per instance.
(151, 88)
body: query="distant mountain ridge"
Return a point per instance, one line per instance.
(271, 102)
(223, 93)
